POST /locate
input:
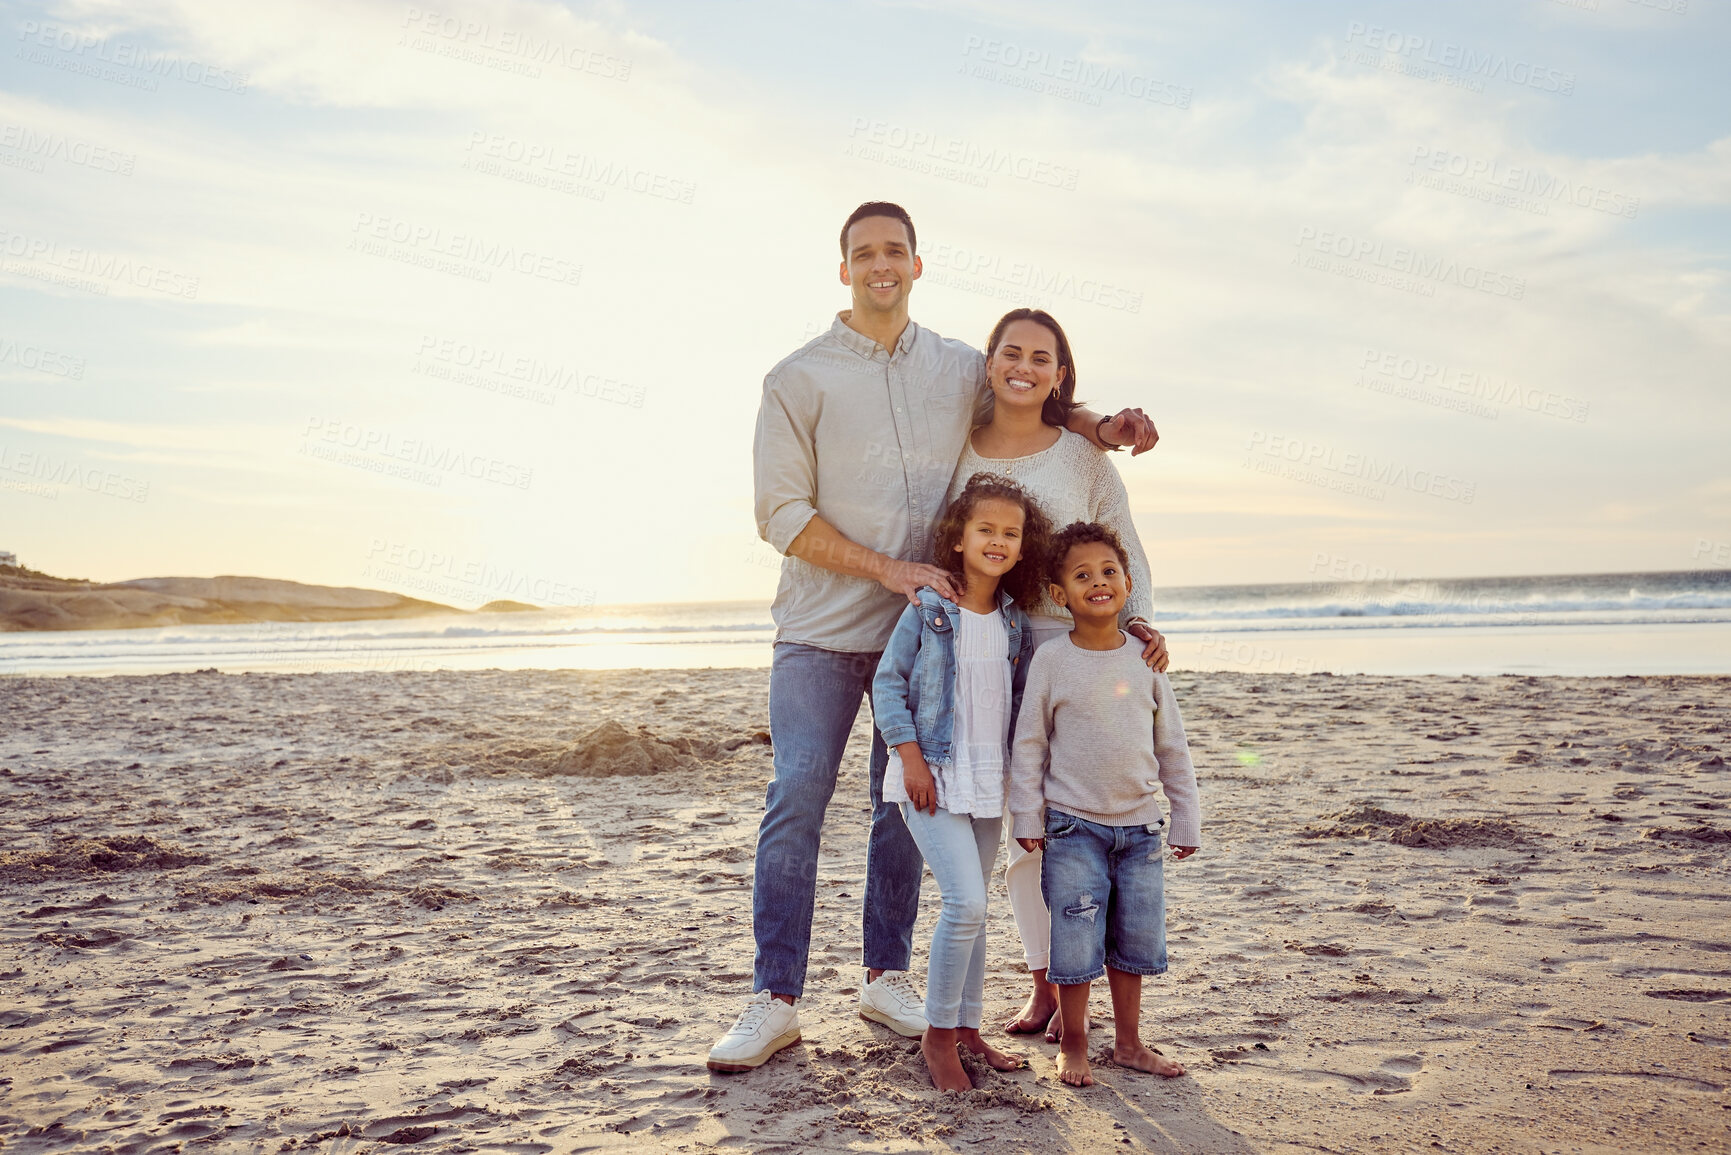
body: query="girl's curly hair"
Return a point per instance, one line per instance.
(1026, 579)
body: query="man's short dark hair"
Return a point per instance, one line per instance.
(1075, 534)
(880, 209)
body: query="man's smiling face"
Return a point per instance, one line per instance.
(880, 267)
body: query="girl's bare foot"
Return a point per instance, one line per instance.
(1038, 1011)
(942, 1062)
(1073, 1066)
(1143, 1058)
(998, 1060)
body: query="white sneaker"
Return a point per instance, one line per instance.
(765, 1026)
(891, 1000)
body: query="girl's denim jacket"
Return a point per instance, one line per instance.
(913, 694)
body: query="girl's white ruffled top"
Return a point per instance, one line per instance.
(974, 782)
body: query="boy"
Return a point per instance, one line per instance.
(1098, 737)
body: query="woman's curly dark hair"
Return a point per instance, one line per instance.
(1026, 579)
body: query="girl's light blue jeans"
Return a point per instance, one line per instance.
(961, 851)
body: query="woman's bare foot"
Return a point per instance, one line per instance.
(1143, 1058)
(1073, 1066)
(1037, 1012)
(942, 1062)
(970, 1039)
(1055, 1028)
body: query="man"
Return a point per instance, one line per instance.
(857, 436)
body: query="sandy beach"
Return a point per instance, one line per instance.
(482, 911)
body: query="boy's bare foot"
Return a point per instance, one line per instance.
(998, 1060)
(1073, 1067)
(1143, 1058)
(1037, 1013)
(942, 1062)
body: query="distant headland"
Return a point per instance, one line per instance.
(30, 600)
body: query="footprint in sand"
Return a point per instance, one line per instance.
(1679, 1082)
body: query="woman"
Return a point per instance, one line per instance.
(1033, 380)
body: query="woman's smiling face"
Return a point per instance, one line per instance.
(1024, 368)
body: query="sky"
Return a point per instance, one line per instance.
(477, 299)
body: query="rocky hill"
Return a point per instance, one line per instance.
(37, 601)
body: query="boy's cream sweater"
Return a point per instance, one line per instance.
(1099, 736)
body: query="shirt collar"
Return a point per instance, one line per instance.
(864, 345)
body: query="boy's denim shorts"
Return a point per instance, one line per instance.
(1105, 887)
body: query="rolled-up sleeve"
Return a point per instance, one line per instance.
(784, 461)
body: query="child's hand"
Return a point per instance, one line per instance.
(1184, 851)
(917, 777)
(1031, 844)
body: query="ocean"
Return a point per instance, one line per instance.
(1585, 624)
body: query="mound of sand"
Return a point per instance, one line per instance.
(68, 854)
(610, 749)
(1365, 821)
(1699, 834)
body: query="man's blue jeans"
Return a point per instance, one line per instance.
(814, 697)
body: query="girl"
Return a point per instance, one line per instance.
(945, 697)
(1033, 380)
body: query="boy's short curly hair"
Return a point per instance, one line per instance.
(1023, 582)
(1075, 534)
